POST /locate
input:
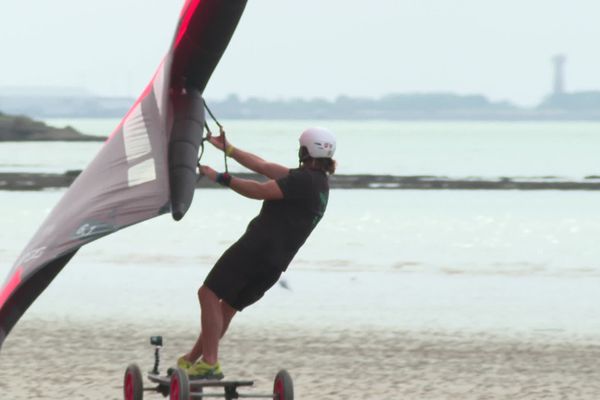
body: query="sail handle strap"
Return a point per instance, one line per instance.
(209, 134)
(221, 131)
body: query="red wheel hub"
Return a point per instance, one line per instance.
(278, 389)
(129, 387)
(175, 389)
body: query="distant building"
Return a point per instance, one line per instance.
(560, 104)
(559, 61)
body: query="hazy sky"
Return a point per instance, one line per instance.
(312, 48)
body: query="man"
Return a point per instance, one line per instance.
(294, 202)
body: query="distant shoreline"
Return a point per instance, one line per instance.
(39, 181)
(436, 106)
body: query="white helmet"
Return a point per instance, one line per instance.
(320, 142)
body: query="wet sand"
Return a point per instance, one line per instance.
(69, 359)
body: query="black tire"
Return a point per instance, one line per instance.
(283, 387)
(180, 385)
(133, 384)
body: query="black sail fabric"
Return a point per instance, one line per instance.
(145, 168)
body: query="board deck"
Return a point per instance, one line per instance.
(166, 380)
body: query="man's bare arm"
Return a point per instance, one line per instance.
(254, 190)
(268, 190)
(249, 160)
(257, 164)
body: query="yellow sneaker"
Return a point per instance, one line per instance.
(202, 370)
(183, 364)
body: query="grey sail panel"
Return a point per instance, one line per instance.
(144, 169)
(127, 182)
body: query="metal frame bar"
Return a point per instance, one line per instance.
(198, 395)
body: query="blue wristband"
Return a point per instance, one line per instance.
(223, 179)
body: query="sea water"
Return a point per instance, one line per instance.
(503, 261)
(454, 149)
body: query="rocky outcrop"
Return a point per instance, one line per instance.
(20, 128)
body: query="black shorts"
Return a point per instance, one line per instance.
(242, 276)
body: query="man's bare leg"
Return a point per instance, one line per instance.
(227, 313)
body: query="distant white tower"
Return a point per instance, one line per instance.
(559, 69)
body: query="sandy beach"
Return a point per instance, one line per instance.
(67, 359)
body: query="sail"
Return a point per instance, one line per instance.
(147, 166)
